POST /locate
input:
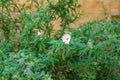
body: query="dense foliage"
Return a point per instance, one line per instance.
(34, 52)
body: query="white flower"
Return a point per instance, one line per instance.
(66, 38)
(39, 33)
(14, 76)
(90, 45)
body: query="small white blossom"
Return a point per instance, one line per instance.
(39, 33)
(14, 76)
(66, 38)
(90, 45)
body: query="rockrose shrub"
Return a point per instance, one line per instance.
(31, 50)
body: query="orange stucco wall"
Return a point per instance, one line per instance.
(91, 10)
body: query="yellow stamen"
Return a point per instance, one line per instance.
(67, 38)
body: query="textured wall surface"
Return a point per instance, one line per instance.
(96, 9)
(91, 10)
